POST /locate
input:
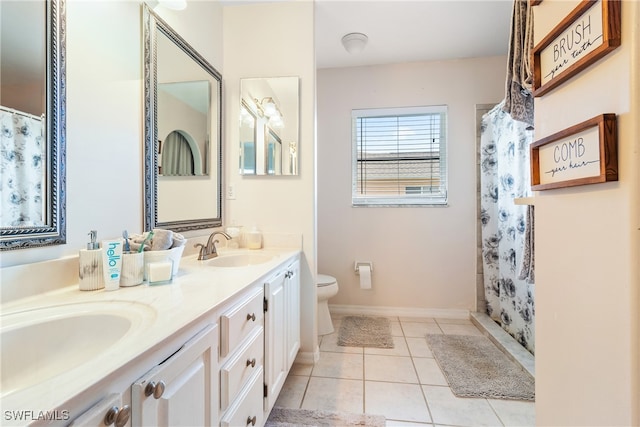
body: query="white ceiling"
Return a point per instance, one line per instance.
(414, 30)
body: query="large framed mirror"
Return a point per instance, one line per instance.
(183, 132)
(270, 106)
(33, 124)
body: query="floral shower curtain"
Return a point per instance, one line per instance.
(504, 175)
(22, 171)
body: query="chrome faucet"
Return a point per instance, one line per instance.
(209, 250)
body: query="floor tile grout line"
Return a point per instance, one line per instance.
(304, 393)
(426, 402)
(494, 411)
(364, 396)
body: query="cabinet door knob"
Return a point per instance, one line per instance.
(159, 390)
(252, 420)
(148, 390)
(111, 415)
(251, 362)
(155, 389)
(251, 317)
(123, 416)
(117, 416)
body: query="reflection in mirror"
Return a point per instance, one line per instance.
(32, 122)
(247, 140)
(183, 156)
(183, 119)
(274, 104)
(274, 153)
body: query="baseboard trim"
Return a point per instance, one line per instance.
(308, 357)
(399, 311)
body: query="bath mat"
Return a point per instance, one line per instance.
(475, 367)
(365, 331)
(285, 417)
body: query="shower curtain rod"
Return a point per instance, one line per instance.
(21, 113)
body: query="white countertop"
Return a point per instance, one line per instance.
(157, 312)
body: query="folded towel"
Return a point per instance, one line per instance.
(178, 240)
(162, 239)
(136, 240)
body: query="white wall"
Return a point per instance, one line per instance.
(423, 257)
(587, 355)
(274, 40)
(105, 116)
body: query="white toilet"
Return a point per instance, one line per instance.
(327, 287)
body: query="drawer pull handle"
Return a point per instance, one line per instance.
(157, 390)
(252, 420)
(251, 317)
(251, 362)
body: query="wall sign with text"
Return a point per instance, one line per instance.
(582, 154)
(588, 33)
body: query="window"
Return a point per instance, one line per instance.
(399, 156)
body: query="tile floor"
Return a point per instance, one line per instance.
(404, 384)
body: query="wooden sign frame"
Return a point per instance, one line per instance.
(572, 51)
(572, 154)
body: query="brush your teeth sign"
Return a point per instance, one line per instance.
(583, 36)
(587, 34)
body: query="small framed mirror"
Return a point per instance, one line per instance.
(183, 132)
(271, 106)
(33, 124)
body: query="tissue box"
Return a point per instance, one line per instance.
(173, 254)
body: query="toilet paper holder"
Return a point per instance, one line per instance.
(359, 263)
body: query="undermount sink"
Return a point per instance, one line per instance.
(239, 260)
(39, 344)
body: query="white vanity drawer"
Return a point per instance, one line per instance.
(247, 410)
(239, 368)
(240, 321)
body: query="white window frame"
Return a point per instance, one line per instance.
(417, 199)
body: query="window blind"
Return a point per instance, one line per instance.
(399, 156)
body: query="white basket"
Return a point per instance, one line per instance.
(173, 254)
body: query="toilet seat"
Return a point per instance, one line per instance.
(325, 280)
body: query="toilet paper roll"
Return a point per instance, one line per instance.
(365, 276)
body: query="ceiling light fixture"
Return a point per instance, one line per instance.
(354, 42)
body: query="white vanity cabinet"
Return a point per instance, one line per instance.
(282, 329)
(183, 389)
(218, 356)
(242, 360)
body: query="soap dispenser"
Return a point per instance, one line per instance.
(254, 238)
(90, 265)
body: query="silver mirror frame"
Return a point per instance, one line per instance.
(55, 231)
(151, 24)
